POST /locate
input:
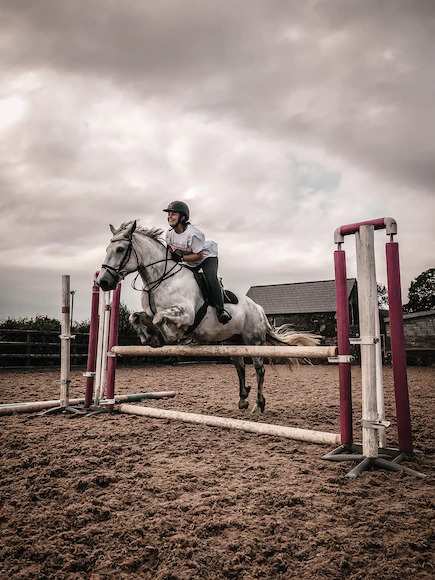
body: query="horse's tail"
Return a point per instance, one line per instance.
(286, 336)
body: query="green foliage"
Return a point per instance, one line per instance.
(124, 324)
(81, 327)
(421, 293)
(382, 296)
(38, 323)
(52, 324)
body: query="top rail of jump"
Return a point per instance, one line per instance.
(228, 350)
(387, 223)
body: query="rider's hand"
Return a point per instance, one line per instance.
(177, 256)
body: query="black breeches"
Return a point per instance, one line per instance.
(210, 268)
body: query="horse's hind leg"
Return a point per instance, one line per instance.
(239, 363)
(259, 369)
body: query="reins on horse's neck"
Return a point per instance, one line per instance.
(156, 283)
(118, 273)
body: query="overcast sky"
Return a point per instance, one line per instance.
(276, 121)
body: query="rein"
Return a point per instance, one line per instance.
(119, 274)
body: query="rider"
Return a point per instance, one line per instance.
(188, 243)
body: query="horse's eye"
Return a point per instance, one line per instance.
(119, 250)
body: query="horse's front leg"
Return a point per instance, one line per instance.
(259, 369)
(148, 333)
(239, 363)
(172, 322)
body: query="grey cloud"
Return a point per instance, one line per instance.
(363, 71)
(273, 82)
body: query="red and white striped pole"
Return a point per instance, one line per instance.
(113, 340)
(92, 346)
(398, 352)
(343, 342)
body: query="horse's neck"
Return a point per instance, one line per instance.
(151, 257)
(174, 276)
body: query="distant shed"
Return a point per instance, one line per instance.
(419, 330)
(308, 306)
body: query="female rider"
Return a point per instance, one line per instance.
(188, 243)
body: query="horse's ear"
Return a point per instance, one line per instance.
(112, 229)
(130, 229)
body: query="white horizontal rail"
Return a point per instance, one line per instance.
(306, 435)
(34, 406)
(229, 350)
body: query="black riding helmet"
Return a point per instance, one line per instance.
(179, 206)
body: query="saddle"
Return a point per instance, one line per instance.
(201, 280)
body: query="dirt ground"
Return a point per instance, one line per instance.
(119, 496)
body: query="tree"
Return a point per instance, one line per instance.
(421, 293)
(382, 297)
(124, 323)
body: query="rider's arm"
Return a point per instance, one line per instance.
(193, 257)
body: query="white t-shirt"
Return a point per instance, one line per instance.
(192, 241)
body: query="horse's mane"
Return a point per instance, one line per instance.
(151, 232)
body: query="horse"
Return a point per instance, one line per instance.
(171, 299)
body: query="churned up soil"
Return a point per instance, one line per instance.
(120, 496)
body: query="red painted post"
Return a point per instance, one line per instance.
(343, 331)
(113, 340)
(348, 229)
(92, 346)
(398, 352)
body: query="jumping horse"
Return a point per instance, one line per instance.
(171, 299)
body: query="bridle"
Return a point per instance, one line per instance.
(119, 274)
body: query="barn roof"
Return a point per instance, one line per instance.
(297, 298)
(415, 315)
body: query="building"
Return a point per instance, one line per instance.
(307, 306)
(419, 331)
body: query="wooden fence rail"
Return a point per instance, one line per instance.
(38, 349)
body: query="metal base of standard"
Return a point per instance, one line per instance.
(389, 459)
(96, 410)
(67, 410)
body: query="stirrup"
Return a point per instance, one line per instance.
(223, 316)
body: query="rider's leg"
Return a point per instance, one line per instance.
(210, 266)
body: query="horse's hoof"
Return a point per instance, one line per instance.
(243, 404)
(259, 407)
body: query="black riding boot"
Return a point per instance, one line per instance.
(210, 266)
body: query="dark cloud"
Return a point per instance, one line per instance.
(273, 118)
(350, 76)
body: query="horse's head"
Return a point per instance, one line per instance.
(120, 258)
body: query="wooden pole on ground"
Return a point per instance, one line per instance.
(306, 435)
(34, 406)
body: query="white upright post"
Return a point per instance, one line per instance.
(105, 346)
(367, 298)
(101, 309)
(65, 342)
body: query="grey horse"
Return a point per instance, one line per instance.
(171, 298)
